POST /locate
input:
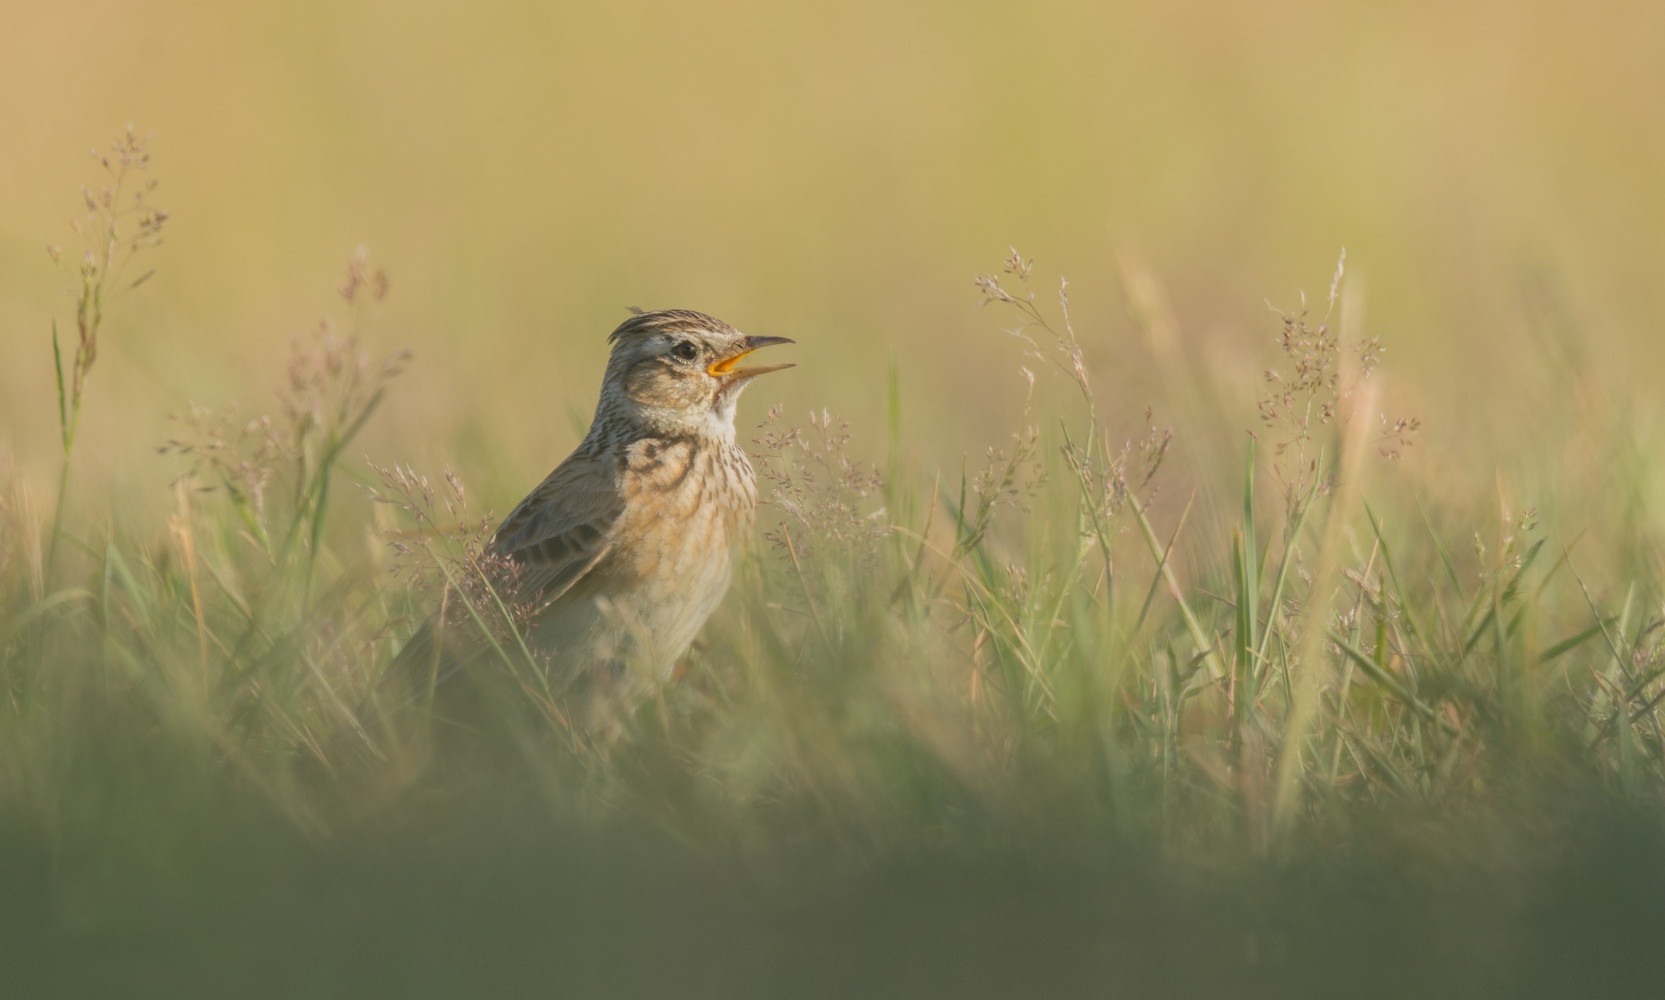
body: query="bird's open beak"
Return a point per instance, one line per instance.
(725, 369)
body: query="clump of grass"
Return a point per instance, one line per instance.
(238, 630)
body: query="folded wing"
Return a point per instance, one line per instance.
(555, 536)
(561, 530)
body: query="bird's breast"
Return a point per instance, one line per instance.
(687, 502)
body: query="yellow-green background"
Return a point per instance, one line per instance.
(837, 173)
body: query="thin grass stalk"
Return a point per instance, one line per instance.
(1205, 645)
(1309, 660)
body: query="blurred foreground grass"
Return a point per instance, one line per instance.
(1101, 710)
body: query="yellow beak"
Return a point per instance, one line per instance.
(725, 369)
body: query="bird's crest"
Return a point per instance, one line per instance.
(641, 324)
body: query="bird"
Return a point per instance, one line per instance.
(619, 556)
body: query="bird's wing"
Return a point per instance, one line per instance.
(555, 536)
(562, 529)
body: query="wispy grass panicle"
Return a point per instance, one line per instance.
(825, 496)
(1062, 348)
(1322, 376)
(331, 390)
(121, 225)
(445, 558)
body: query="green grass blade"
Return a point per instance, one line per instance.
(63, 400)
(1439, 547)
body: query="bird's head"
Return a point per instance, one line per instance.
(679, 372)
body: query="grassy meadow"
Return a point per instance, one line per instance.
(1239, 616)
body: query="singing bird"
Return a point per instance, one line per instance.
(625, 550)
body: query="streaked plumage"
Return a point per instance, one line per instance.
(626, 548)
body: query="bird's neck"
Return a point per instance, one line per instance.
(612, 428)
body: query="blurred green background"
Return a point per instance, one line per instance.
(838, 173)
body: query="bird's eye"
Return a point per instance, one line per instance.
(685, 350)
